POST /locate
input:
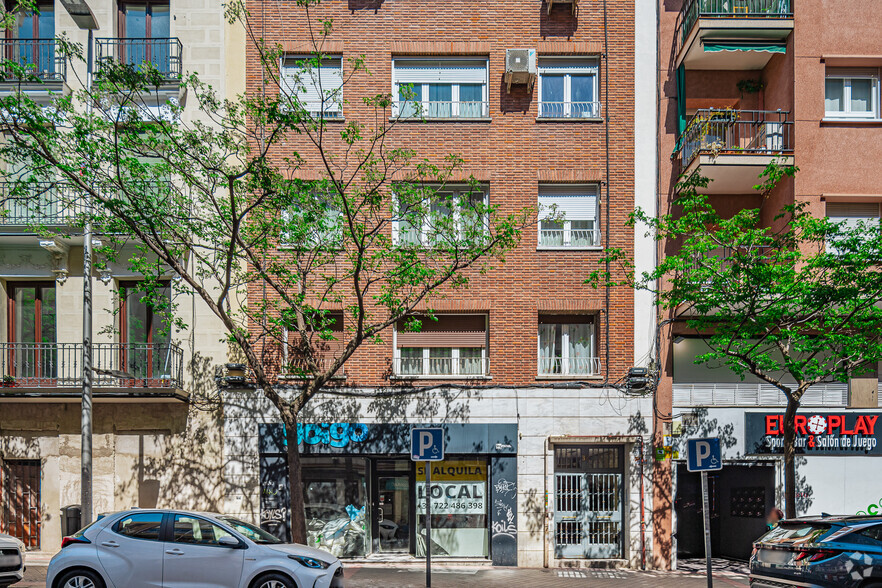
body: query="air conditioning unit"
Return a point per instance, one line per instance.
(520, 67)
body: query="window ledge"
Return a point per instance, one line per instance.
(485, 119)
(852, 121)
(592, 248)
(439, 377)
(570, 377)
(296, 378)
(570, 119)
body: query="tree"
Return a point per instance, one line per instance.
(795, 304)
(267, 192)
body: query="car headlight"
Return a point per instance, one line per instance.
(310, 562)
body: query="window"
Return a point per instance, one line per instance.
(145, 331)
(440, 88)
(318, 87)
(145, 31)
(140, 526)
(567, 346)
(313, 225)
(568, 88)
(325, 350)
(31, 41)
(32, 333)
(445, 217)
(452, 345)
(854, 216)
(568, 216)
(196, 531)
(851, 93)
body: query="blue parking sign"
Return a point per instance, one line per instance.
(704, 455)
(427, 444)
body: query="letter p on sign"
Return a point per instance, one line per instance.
(427, 444)
(703, 455)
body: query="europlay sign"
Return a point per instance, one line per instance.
(817, 433)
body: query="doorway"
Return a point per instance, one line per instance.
(393, 511)
(32, 349)
(20, 514)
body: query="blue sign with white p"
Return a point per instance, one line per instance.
(704, 455)
(427, 444)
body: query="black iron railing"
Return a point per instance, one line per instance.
(736, 131)
(696, 9)
(39, 203)
(116, 365)
(37, 59)
(163, 54)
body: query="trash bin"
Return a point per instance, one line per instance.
(70, 520)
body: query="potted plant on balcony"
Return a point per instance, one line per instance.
(9, 381)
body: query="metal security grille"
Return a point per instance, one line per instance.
(20, 514)
(588, 502)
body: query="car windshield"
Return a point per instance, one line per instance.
(795, 533)
(253, 532)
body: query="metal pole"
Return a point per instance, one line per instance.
(86, 416)
(428, 524)
(707, 537)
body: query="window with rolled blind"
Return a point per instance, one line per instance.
(851, 92)
(451, 346)
(318, 87)
(440, 88)
(853, 215)
(568, 216)
(326, 338)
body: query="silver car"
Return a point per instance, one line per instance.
(180, 549)
(11, 560)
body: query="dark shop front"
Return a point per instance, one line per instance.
(365, 496)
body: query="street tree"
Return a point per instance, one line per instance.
(794, 302)
(269, 193)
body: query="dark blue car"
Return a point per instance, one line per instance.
(820, 552)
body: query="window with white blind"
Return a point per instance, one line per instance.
(854, 215)
(451, 346)
(568, 87)
(851, 92)
(440, 88)
(318, 87)
(567, 346)
(316, 224)
(568, 216)
(452, 214)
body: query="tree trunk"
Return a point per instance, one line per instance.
(789, 457)
(295, 479)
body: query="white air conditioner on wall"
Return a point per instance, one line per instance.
(520, 67)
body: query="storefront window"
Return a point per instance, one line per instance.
(459, 508)
(336, 505)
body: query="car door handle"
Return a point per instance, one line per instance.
(174, 551)
(110, 544)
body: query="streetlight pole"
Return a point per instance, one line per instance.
(84, 19)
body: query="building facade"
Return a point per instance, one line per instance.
(742, 84)
(546, 457)
(156, 439)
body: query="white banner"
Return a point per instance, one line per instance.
(466, 498)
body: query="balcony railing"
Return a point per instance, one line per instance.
(441, 367)
(696, 9)
(39, 203)
(569, 109)
(763, 132)
(116, 365)
(575, 238)
(297, 369)
(442, 109)
(37, 56)
(163, 53)
(569, 366)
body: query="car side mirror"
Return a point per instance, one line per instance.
(228, 541)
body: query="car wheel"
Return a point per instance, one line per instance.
(274, 581)
(80, 579)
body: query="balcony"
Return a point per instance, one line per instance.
(569, 110)
(444, 109)
(121, 370)
(38, 204)
(441, 368)
(569, 367)
(732, 34)
(37, 65)
(733, 147)
(163, 54)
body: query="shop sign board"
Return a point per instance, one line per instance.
(458, 487)
(817, 433)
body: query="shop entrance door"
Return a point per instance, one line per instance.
(393, 506)
(20, 500)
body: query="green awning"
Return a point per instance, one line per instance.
(768, 48)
